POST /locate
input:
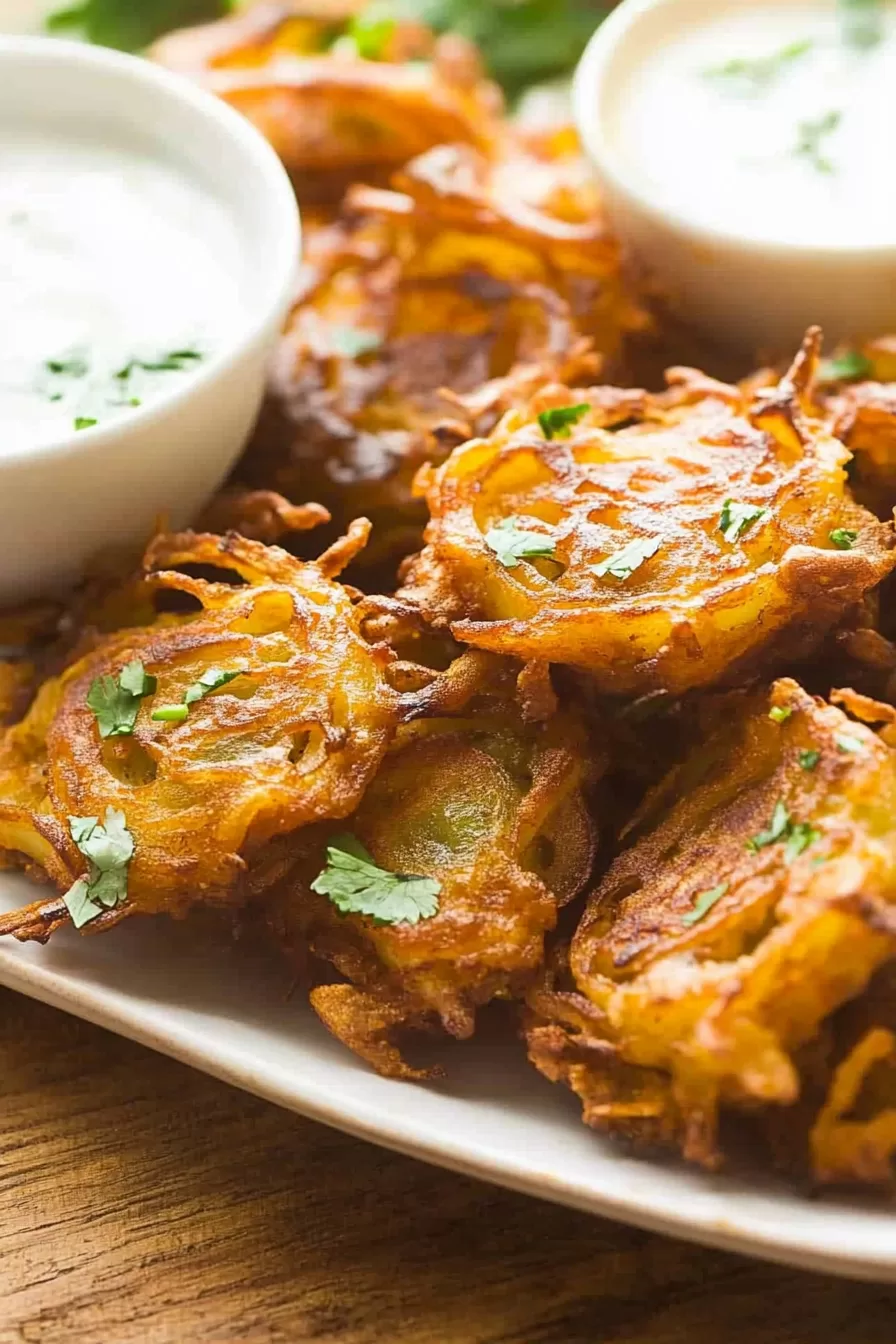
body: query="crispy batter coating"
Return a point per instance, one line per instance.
(862, 412)
(699, 604)
(332, 116)
(424, 314)
(756, 896)
(294, 739)
(491, 806)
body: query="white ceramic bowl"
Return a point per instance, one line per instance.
(63, 502)
(749, 294)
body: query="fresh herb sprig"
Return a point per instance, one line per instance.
(357, 886)
(558, 422)
(811, 136)
(623, 563)
(512, 542)
(737, 519)
(755, 74)
(115, 701)
(704, 903)
(861, 23)
(795, 835)
(109, 848)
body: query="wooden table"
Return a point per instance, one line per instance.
(143, 1203)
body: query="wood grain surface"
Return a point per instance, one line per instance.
(143, 1203)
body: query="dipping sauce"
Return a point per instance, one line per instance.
(766, 119)
(120, 275)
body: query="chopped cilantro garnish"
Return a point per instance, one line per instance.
(622, 564)
(779, 713)
(352, 343)
(809, 759)
(115, 702)
(109, 848)
(74, 366)
(845, 367)
(753, 74)
(847, 743)
(736, 519)
(170, 713)
(861, 23)
(810, 135)
(798, 835)
(704, 903)
(779, 826)
(84, 422)
(512, 543)
(844, 538)
(558, 423)
(212, 680)
(356, 886)
(175, 361)
(371, 35)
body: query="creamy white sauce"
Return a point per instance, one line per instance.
(112, 258)
(724, 149)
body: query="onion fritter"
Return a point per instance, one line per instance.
(332, 116)
(287, 729)
(758, 894)
(677, 541)
(493, 808)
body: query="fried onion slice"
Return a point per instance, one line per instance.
(494, 809)
(756, 896)
(685, 540)
(332, 116)
(292, 738)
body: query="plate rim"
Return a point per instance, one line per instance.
(59, 991)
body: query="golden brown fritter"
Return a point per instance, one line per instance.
(449, 283)
(493, 808)
(856, 391)
(674, 541)
(757, 894)
(332, 116)
(287, 729)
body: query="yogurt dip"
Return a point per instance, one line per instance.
(120, 275)
(769, 120)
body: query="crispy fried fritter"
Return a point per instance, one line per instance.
(293, 739)
(757, 895)
(861, 408)
(492, 807)
(450, 283)
(332, 116)
(689, 546)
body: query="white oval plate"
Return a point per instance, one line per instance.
(224, 1009)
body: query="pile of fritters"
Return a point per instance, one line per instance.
(559, 691)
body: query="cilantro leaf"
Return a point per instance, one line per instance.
(72, 366)
(809, 759)
(109, 848)
(115, 703)
(84, 422)
(356, 886)
(800, 837)
(780, 713)
(704, 903)
(371, 34)
(753, 74)
(845, 367)
(797, 835)
(211, 680)
(861, 23)
(622, 564)
(844, 538)
(779, 825)
(847, 743)
(558, 423)
(736, 519)
(810, 135)
(512, 543)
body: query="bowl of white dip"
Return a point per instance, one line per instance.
(742, 147)
(149, 246)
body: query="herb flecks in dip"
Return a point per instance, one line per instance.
(117, 282)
